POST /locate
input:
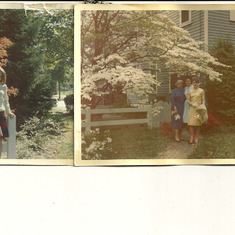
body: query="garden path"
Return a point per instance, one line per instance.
(60, 105)
(177, 150)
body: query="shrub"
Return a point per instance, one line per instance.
(166, 128)
(123, 142)
(221, 95)
(212, 124)
(33, 134)
(95, 145)
(69, 102)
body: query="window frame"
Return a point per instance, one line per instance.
(232, 15)
(182, 24)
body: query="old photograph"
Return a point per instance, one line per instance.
(37, 84)
(157, 86)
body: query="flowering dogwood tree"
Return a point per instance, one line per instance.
(113, 43)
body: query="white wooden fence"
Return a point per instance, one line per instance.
(10, 145)
(152, 122)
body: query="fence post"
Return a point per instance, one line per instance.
(149, 116)
(88, 119)
(11, 142)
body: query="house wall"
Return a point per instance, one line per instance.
(163, 78)
(220, 26)
(163, 74)
(174, 16)
(196, 28)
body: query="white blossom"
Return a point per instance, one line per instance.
(115, 42)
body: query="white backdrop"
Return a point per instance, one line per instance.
(117, 200)
(170, 200)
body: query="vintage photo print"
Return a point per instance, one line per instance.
(157, 84)
(37, 84)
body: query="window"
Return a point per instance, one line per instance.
(173, 78)
(232, 15)
(185, 18)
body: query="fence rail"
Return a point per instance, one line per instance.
(152, 122)
(88, 123)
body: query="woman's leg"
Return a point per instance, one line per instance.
(197, 131)
(191, 129)
(177, 135)
(180, 134)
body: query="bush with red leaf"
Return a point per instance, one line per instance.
(165, 128)
(4, 44)
(12, 91)
(212, 122)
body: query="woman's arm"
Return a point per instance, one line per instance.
(189, 98)
(203, 97)
(7, 105)
(173, 102)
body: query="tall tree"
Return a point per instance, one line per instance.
(38, 57)
(114, 42)
(58, 41)
(221, 95)
(24, 69)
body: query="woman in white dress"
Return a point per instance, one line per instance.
(189, 86)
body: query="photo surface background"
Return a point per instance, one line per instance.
(117, 200)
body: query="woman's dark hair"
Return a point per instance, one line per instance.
(195, 79)
(190, 78)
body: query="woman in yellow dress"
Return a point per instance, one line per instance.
(196, 97)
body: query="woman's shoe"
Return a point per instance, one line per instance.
(190, 142)
(178, 141)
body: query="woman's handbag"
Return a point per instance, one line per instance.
(202, 112)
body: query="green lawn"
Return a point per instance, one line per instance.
(218, 143)
(130, 142)
(65, 149)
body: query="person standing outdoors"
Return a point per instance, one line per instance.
(188, 87)
(177, 105)
(4, 108)
(196, 97)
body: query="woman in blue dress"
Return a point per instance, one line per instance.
(177, 107)
(189, 86)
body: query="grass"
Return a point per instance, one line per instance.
(217, 143)
(64, 150)
(51, 146)
(132, 142)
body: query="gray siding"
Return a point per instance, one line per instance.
(163, 77)
(174, 16)
(220, 26)
(196, 28)
(163, 73)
